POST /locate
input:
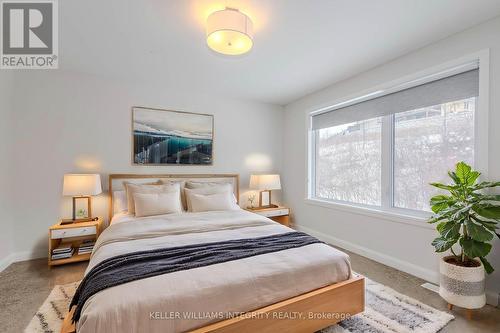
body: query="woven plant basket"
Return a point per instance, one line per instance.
(462, 286)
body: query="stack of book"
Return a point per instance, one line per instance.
(86, 247)
(63, 251)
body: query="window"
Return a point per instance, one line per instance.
(384, 151)
(427, 143)
(348, 161)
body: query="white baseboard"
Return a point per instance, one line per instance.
(431, 286)
(6, 261)
(492, 298)
(21, 256)
(385, 259)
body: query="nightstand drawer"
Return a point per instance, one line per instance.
(73, 232)
(274, 212)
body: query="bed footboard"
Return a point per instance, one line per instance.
(305, 313)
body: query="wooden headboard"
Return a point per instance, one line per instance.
(116, 182)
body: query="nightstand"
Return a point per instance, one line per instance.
(277, 214)
(74, 234)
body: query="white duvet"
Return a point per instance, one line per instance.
(185, 300)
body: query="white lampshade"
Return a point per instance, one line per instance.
(265, 182)
(82, 184)
(229, 31)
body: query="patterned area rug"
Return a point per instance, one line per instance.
(50, 316)
(387, 311)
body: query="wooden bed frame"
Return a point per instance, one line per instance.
(304, 313)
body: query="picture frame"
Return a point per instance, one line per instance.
(171, 137)
(82, 208)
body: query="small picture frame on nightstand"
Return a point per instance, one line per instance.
(82, 207)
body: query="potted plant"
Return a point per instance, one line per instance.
(467, 218)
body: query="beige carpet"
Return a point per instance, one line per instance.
(387, 311)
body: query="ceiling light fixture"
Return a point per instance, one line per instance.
(229, 31)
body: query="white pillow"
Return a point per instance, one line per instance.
(148, 189)
(205, 190)
(209, 202)
(166, 181)
(136, 182)
(119, 201)
(149, 204)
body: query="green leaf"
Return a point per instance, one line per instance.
(442, 244)
(437, 218)
(490, 227)
(454, 177)
(488, 211)
(450, 230)
(450, 210)
(465, 174)
(446, 214)
(482, 197)
(444, 187)
(478, 232)
(487, 266)
(441, 198)
(441, 202)
(463, 170)
(485, 185)
(436, 208)
(462, 211)
(486, 223)
(473, 176)
(473, 248)
(440, 227)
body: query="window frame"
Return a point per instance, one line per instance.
(386, 210)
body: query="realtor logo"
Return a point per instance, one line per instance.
(29, 35)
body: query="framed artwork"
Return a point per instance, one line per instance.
(163, 137)
(82, 208)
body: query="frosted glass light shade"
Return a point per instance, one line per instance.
(230, 32)
(82, 184)
(265, 182)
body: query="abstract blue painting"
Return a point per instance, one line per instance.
(172, 137)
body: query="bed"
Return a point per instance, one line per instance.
(300, 289)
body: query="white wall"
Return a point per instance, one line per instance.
(401, 245)
(5, 170)
(70, 122)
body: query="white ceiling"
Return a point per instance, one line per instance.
(299, 46)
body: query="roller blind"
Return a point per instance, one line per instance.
(448, 89)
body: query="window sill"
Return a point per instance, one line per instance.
(417, 221)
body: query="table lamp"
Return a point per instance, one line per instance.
(265, 184)
(82, 187)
